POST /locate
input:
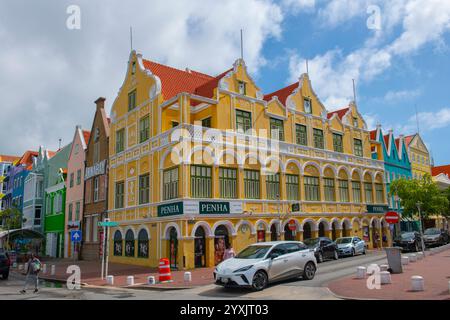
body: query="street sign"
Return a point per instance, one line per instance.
(108, 224)
(391, 217)
(75, 235)
(292, 225)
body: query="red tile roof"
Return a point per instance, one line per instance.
(86, 135)
(340, 113)
(373, 135)
(408, 139)
(440, 169)
(282, 93)
(397, 143)
(175, 81)
(207, 89)
(27, 158)
(386, 140)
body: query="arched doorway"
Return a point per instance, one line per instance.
(375, 235)
(261, 233)
(322, 229)
(346, 228)
(200, 247)
(173, 247)
(273, 233)
(334, 232)
(118, 243)
(143, 243)
(221, 241)
(288, 233)
(129, 244)
(307, 234)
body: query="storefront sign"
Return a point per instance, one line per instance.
(220, 207)
(377, 209)
(96, 170)
(73, 225)
(170, 209)
(296, 207)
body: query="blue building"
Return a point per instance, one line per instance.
(397, 165)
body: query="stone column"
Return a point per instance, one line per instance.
(210, 251)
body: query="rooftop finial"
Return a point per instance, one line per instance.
(242, 45)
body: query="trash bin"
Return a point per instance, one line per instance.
(394, 257)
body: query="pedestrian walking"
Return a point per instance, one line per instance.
(32, 274)
(229, 252)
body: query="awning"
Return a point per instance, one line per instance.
(24, 232)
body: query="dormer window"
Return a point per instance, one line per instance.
(355, 122)
(307, 105)
(242, 87)
(133, 67)
(97, 134)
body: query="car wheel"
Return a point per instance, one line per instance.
(320, 257)
(336, 256)
(259, 281)
(310, 271)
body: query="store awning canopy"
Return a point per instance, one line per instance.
(21, 232)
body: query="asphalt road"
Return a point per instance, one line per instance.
(295, 289)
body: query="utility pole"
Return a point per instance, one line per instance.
(242, 45)
(131, 38)
(354, 91)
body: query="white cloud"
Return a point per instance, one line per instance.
(402, 95)
(51, 75)
(428, 121)
(372, 120)
(295, 6)
(423, 22)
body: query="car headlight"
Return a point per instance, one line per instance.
(243, 269)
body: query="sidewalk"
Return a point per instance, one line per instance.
(435, 269)
(91, 275)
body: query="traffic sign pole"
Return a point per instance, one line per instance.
(103, 255)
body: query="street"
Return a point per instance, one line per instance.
(288, 290)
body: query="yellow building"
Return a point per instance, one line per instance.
(198, 162)
(418, 155)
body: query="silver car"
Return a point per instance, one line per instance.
(350, 246)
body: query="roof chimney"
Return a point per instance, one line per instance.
(188, 70)
(100, 102)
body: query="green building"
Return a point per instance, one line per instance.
(55, 199)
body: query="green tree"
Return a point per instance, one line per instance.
(425, 191)
(446, 194)
(12, 219)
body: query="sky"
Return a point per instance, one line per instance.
(57, 57)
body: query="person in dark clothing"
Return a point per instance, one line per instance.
(32, 274)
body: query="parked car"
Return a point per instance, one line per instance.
(350, 246)
(262, 263)
(4, 265)
(434, 236)
(409, 241)
(324, 248)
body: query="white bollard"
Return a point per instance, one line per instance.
(361, 272)
(419, 255)
(151, 280)
(413, 258)
(130, 280)
(417, 283)
(405, 260)
(110, 280)
(53, 270)
(384, 267)
(385, 277)
(187, 277)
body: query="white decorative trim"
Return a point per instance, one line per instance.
(206, 227)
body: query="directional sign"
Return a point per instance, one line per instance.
(108, 224)
(391, 217)
(75, 235)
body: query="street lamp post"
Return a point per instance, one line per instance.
(419, 205)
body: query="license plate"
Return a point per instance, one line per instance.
(224, 280)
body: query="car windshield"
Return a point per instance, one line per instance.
(311, 242)
(343, 240)
(432, 231)
(253, 252)
(407, 235)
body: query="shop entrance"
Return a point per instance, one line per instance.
(200, 248)
(334, 231)
(288, 233)
(221, 241)
(307, 231)
(345, 229)
(273, 233)
(321, 229)
(173, 247)
(375, 236)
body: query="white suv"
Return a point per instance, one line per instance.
(261, 263)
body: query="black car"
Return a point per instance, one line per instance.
(435, 237)
(4, 265)
(409, 241)
(323, 247)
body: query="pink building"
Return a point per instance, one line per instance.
(75, 188)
